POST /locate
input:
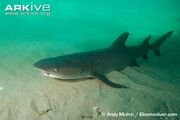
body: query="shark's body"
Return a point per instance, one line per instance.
(100, 62)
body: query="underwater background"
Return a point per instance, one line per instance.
(83, 25)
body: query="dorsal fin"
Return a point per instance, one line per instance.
(146, 41)
(120, 41)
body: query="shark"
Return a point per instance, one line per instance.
(97, 63)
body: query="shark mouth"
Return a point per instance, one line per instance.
(49, 75)
(45, 73)
(59, 76)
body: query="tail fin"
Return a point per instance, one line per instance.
(157, 44)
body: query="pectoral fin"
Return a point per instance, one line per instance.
(106, 81)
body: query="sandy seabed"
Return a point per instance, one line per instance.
(25, 94)
(154, 87)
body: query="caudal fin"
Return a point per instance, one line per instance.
(157, 44)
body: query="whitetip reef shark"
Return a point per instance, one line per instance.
(98, 63)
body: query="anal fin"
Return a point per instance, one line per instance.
(145, 57)
(134, 63)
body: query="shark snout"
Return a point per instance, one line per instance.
(35, 65)
(42, 66)
(39, 65)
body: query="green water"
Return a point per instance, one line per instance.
(75, 26)
(82, 25)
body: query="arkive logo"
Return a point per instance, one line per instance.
(28, 9)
